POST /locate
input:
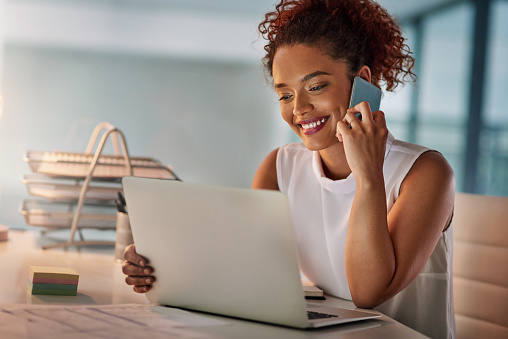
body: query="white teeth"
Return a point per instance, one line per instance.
(314, 124)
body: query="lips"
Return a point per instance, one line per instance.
(311, 126)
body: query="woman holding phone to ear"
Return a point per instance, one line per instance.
(372, 214)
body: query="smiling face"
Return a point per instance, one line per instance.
(313, 91)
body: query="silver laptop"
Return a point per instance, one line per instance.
(228, 251)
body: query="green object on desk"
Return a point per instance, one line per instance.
(53, 292)
(52, 280)
(54, 287)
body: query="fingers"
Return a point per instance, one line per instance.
(379, 118)
(131, 269)
(139, 277)
(342, 129)
(349, 121)
(139, 281)
(137, 271)
(141, 289)
(351, 118)
(363, 108)
(371, 121)
(131, 256)
(368, 118)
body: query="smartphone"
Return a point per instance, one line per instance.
(365, 91)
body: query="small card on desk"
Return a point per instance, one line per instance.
(313, 292)
(53, 280)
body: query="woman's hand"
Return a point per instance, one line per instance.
(137, 271)
(364, 142)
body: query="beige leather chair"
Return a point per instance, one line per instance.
(480, 266)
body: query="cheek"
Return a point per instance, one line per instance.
(337, 109)
(287, 114)
(335, 102)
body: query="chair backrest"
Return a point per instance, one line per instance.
(480, 266)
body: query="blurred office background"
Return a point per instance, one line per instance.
(183, 80)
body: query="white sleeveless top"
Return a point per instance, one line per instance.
(320, 209)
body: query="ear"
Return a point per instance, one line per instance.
(364, 73)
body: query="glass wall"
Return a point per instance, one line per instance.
(493, 157)
(436, 112)
(444, 84)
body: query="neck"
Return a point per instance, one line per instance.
(333, 160)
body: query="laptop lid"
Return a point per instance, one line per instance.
(221, 250)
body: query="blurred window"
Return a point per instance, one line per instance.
(444, 84)
(492, 173)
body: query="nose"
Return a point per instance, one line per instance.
(302, 104)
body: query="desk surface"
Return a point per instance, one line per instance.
(102, 282)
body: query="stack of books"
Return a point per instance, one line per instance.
(52, 280)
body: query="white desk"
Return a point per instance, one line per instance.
(102, 282)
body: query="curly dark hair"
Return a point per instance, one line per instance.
(359, 32)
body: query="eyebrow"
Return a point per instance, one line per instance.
(305, 78)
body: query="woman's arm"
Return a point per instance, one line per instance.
(382, 258)
(266, 175)
(386, 251)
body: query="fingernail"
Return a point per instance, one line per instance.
(146, 271)
(141, 263)
(148, 281)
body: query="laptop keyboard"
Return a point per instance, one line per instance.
(316, 315)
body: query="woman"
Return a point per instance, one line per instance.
(372, 213)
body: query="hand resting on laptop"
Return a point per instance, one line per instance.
(138, 273)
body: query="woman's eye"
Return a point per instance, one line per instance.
(284, 97)
(317, 87)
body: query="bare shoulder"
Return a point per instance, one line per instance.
(431, 168)
(266, 174)
(429, 187)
